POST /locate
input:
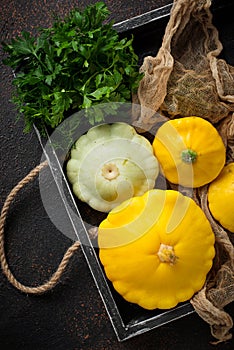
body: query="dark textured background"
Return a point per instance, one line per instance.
(72, 316)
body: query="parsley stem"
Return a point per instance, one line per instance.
(88, 80)
(40, 61)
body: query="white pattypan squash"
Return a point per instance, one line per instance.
(111, 163)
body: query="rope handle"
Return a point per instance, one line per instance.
(54, 279)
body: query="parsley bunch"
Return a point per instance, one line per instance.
(77, 62)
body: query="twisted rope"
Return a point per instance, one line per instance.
(48, 285)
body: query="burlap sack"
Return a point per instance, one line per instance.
(187, 78)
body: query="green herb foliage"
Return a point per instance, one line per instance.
(77, 62)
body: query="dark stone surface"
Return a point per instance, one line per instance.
(72, 315)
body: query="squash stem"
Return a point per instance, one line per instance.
(166, 254)
(110, 171)
(189, 156)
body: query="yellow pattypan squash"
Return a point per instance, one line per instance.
(157, 249)
(221, 197)
(190, 151)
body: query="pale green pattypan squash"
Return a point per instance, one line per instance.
(110, 164)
